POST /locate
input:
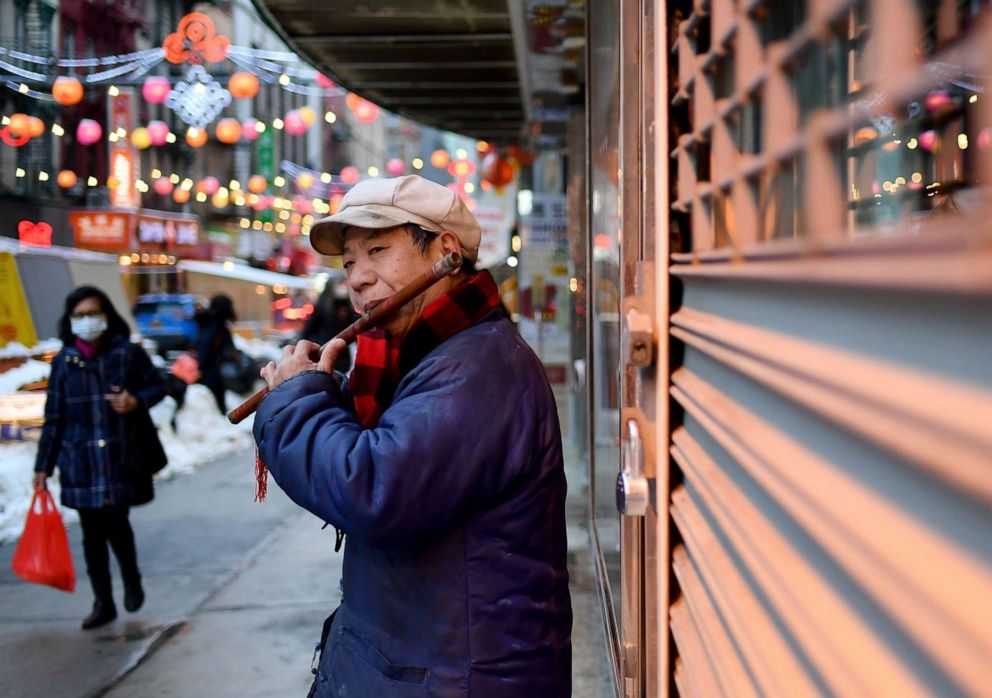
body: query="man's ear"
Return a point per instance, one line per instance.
(449, 242)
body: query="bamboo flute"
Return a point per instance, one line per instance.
(373, 319)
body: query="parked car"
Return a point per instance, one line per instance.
(168, 318)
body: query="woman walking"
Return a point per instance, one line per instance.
(99, 433)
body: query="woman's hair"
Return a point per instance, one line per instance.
(116, 325)
(222, 308)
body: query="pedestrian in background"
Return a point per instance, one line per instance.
(214, 345)
(330, 316)
(100, 435)
(439, 457)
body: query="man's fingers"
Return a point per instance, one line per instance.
(306, 348)
(287, 351)
(330, 355)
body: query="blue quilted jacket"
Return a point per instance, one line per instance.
(454, 508)
(103, 457)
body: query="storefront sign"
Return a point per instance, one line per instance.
(101, 230)
(34, 234)
(167, 233)
(123, 156)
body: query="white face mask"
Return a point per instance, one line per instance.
(88, 328)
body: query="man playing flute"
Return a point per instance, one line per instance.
(439, 457)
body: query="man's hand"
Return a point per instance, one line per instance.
(39, 481)
(297, 359)
(121, 402)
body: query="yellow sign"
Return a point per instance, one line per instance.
(15, 317)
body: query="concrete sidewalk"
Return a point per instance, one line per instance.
(213, 626)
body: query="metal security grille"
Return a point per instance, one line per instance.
(832, 484)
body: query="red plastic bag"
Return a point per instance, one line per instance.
(186, 368)
(42, 555)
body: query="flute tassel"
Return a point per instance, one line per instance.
(261, 478)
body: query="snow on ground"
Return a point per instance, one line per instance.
(16, 349)
(29, 372)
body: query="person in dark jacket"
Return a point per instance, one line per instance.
(214, 344)
(439, 457)
(330, 316)
(99, 434)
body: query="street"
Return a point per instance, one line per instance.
(236, 594)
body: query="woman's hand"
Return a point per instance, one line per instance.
(296, 359)
(121, 402)
(40, 480)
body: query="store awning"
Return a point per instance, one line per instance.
(452, 65)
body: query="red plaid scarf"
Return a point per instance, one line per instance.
(381, 361)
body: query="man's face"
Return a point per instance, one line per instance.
(381, 262)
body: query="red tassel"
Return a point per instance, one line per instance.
(261, 478)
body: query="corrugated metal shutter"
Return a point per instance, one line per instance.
(831, 486)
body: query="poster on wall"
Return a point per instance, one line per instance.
(496, 213)
(15, 317)
(543, 282)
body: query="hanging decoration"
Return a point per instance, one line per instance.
(208, 186)
(228, 131)
(67, 91)
(158, 131)
(349, 175)
(16, 140)
(180, 195)
(250, 129)
(20, 124)
(440, 158)
(365, 112)
(163, 186)
(294, 124)
(395, 167)
(196, 137)
(88, 132)
(198, 99)
(243, 85)
(497, 170)
(140, 138)
(257, 184)
(66, 179)
(156, 89)
(195, 41)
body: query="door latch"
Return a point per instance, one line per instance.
(632, 487)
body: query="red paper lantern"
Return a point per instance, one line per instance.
(395, 167)
(324, 82)
(180, 196)
(67, 91)
(295, 124)
(497, 170)
(163, 186)
(929, 141)
(88, 132)
(349, 175)
(156, 89)
(228, 131)
(66, 179)
(158, 131)
(257, 184)
(243, 85)
(936, 100)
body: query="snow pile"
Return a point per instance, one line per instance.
(16, 349)
(29, 372)
(16, 466)
(258, 348)
(202, 432)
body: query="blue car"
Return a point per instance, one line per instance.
(168, 318)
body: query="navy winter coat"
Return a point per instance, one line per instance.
(454, 507)
(103, 457)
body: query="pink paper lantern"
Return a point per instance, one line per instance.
(985, 138)
(928, 140)
(249, 129)
(349, 174)
(162, 186)
(156, 89)
(209, 185)
(88, 132)
(395, 167)
(366, 112)
(938, 99)
(159, 131)
(295, 124)
(302, 205)
(324, 81)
